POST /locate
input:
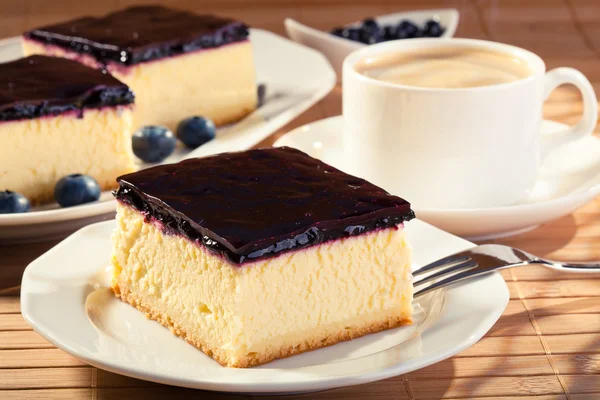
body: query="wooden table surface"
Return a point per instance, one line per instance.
(547, 343)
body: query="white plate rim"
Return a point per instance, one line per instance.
(293, 384)
(59, 214)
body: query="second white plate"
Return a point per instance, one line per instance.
(64, 298)
(295, 76)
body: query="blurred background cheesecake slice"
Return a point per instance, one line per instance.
(58, 117)
(178, 64)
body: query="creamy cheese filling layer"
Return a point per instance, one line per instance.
(261, 308)
(216, 83)
(36, 153)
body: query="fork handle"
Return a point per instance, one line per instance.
(583, 267)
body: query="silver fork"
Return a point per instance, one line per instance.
(482, 260)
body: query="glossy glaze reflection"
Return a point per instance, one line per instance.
(259, 203)
(38, 86)
(140, 34)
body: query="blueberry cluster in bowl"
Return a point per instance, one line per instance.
(370, 32)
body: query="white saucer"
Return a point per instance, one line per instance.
(71, 307)
(306, 79)
(569, 179)
(336, 48)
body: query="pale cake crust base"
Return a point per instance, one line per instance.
(305, 344)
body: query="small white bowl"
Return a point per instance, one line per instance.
(335, 48)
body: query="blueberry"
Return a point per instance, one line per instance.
(261, 93)
(401, 34)
(389, 32)
(11, 202)
(76, 189)
(432, 29)
(196, 131)
(365, 36)
(218, 39)
(370, 25)
(153, 143)
(337, 32)
(351, 34)
(378, 36)
(354, 34)
(409, 27)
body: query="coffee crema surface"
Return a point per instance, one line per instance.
(445, 67)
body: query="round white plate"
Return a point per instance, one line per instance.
(65, 299)
(336, 48)
(306, 78)
(569, 178)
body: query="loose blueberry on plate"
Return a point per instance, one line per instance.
(196, 131)
(153, 143)
(12, 202)
(432, 29)
(76, 189)
(261, 93)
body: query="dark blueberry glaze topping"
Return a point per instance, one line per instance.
(140, 34)
(260, 203)
(38, 86)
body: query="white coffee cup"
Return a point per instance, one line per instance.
(454, 148)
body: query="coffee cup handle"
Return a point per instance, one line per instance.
(587, 123)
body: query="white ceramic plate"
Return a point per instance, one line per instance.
(64, 298)
(336, 48)
(296, 77)
(570, 178)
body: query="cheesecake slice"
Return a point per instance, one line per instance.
(58, 117)
(262, 254)
(179, 64)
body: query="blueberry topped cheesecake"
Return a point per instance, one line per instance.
(178, 63)
(58, 117)
(261, 254)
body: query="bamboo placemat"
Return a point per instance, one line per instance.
(546, 344)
